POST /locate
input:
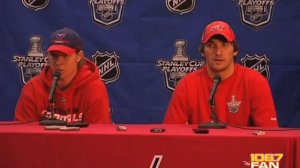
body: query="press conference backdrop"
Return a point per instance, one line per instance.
(144, 47)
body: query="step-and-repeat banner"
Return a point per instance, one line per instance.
(144, 47)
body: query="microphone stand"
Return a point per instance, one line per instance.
(215, 120)
(52, 120)
(215, 124)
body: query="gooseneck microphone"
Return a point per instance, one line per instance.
(217, 80)
(56, 77)
(215, 121)
(52, 101)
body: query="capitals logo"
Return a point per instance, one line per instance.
(35, 4)
(107, 13)
(108, 64)
(258, 63)
(34, 62)
(256, 13)
(180, 6)
(179, 66)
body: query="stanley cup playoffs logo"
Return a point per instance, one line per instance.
(179, 66)
(108, 64)
(256, 13)
(107, 13)
(33, 63)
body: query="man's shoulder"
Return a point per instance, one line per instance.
(193, 75)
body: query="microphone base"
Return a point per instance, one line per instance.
(78, 124)
(213, 125)
(53, 122)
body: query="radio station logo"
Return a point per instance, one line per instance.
(179, 66)
(265, 160)
(258, 63)
(35, 4)
(256, 13)
(34, 62)
(108, 64)
(180, 6)
(107, 13)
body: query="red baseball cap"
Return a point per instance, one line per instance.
(218, 28)
(65, 40)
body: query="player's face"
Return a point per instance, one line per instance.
(65, 64)
(219, 56)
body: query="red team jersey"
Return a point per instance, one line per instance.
(85, 100)
(244, 99)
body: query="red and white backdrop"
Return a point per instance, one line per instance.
(143, 48)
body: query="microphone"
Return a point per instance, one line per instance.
(217, 80)
(56, 77)
(52, 100)
(215, 121)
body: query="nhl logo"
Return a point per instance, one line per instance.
(180, 6)
(35, 4)
(107, 13)
(256, 13)
(108, 64)
(258, 63)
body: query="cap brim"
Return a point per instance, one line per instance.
(208, 37)
(62, 48)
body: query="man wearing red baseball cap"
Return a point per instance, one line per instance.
(80, 95)
(222, 91)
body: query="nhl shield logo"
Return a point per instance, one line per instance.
(108, 64)
(258, 63)
(180, 6)
(107, 13)
(35, 4)
(256, 13)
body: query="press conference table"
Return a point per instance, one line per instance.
(30, 145)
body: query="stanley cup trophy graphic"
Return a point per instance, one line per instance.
(180, 55)
(179, 66)
(34, 51)
(32, 63)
